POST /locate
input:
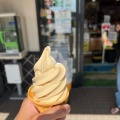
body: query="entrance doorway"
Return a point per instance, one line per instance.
(99, 63)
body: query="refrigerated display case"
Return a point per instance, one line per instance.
(59, 26)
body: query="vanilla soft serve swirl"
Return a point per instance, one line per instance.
(50, 81)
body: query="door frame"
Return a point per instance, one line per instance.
(78, 80)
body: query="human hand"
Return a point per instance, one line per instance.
(105, 40)
(28, 111)
(117, 27)
(108, 43)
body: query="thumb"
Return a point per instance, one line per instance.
(59, 111)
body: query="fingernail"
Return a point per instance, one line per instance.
(67, 107)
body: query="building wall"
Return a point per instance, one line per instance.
(27, 9)
(1, 6)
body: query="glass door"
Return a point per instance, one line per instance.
(59, 23)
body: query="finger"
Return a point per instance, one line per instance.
(61, 118)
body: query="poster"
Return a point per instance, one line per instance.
(60, 18)
(64, 5)
(112, 36)
(70, 5)
(58, 3)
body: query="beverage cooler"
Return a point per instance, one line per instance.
(59, 26)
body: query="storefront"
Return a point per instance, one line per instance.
(76, 26)
(60, 25)
(72, 27)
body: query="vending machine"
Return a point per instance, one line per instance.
(13, 46)
(13, 43)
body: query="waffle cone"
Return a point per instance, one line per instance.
(69, 86)
(40, 107)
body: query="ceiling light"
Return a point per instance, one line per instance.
(93, 0)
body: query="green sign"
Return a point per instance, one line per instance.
(58, 2)
(8, 39)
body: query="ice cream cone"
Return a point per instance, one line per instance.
(44, 107)
(39, 107)
(49, 88)
(69, 86)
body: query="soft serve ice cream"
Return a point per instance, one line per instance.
(49, 87)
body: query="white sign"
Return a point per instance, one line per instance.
(86, 36)
(112, 36)
(63, 21)
(105, 27)
(63, 14)
(112, 28)
(70, 5)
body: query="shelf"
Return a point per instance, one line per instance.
(13, 56)
(100, 67)
(94, 32)
(100, 64)
(87, 53)
(15, 96)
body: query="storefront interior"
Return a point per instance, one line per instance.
(98, 12)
